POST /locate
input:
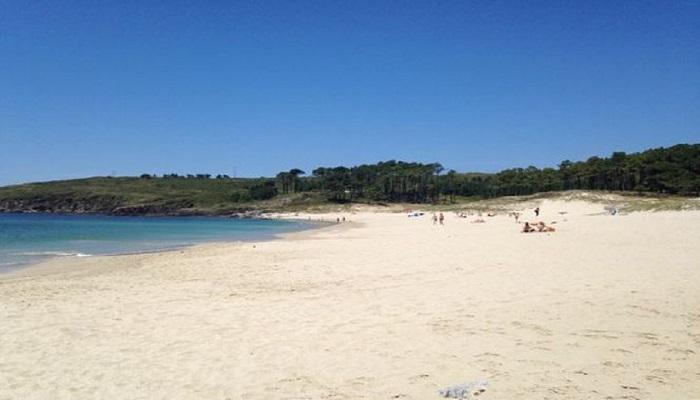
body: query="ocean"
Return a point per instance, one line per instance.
(30, 238)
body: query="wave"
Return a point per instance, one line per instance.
(52, 254)
(7, 264)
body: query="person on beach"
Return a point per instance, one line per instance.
(537, 212)
(435, 219)
(442, 219)
(527, 228)
(541, 227)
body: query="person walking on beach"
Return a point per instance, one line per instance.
(537, 212)
(442, 219)
(435, 219)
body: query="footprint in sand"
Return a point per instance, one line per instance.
(598, 334)
(629, 387)
(680, 351)
(621, 351)
(613, 364)
(648, 336)
(655, 379)
(360, 381)
(536, 328)
(417, 378)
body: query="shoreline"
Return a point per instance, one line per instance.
(60, 264)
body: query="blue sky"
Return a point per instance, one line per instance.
(252, 88)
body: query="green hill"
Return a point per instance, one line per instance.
(131, 196)
(668, 171)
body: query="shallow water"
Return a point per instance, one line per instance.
(29, 238)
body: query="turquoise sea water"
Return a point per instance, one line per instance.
(29, 238)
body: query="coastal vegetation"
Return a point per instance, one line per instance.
(667, 171)
(673, 170)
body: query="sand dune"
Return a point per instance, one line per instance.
(381, 307)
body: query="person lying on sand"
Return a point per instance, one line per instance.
(527, 228)
(541, 227)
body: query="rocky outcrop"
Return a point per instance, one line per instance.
(94, 205)
(110, 205)
(61, 205)
(249, 214)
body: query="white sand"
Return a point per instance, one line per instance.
(382, 307)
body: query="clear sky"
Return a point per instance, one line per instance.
(251, 88)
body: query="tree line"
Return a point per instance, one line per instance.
(672, 170)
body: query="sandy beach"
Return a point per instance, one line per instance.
(380, 307)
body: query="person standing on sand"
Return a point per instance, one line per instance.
(442, 219)
(537, 212)
(435, 219)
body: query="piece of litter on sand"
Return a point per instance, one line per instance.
(464, 391)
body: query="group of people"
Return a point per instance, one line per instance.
(528, 227)
(478, 220)
(440, 218)
(537, 227)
